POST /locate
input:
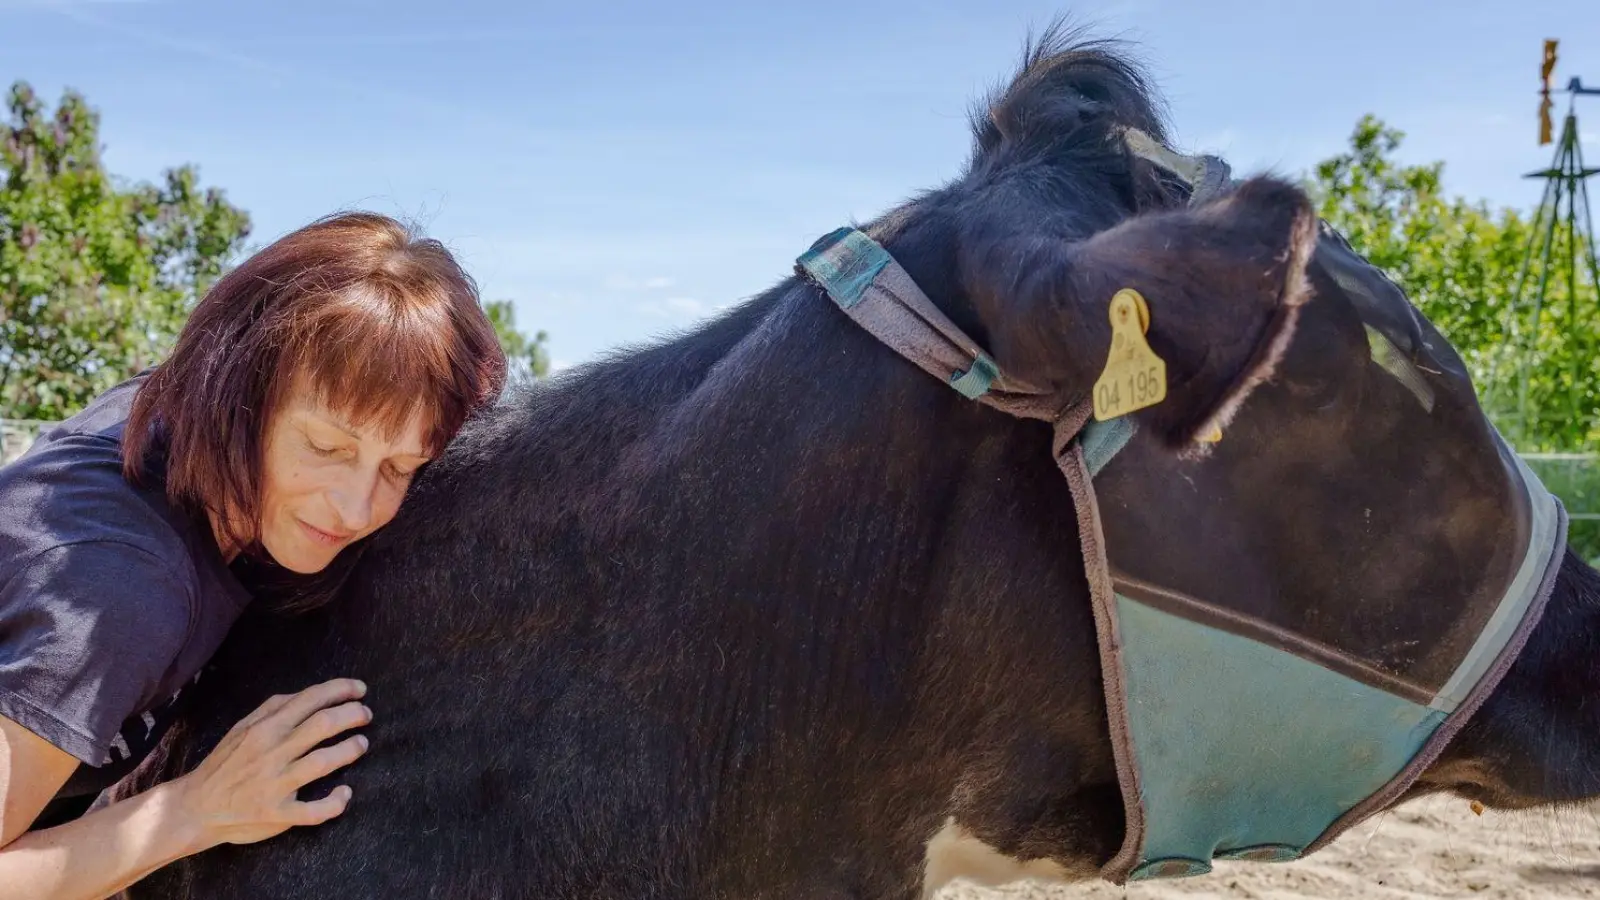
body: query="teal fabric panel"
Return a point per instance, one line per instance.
(1241, 745)
(1103, 440)
(976, 381)
(845, 262)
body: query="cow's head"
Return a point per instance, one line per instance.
(1359, 499)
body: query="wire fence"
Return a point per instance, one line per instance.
(1574, 477)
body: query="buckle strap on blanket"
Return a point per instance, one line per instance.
(864, 281)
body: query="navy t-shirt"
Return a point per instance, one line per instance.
(111, 600)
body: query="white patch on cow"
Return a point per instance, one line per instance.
(954, 854)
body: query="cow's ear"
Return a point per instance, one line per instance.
(1222, 283)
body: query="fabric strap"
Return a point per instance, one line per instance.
(872, 289)
(866, 283)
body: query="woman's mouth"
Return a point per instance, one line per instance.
(326, 538)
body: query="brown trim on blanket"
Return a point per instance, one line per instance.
(1194, 610)
(1097, 570)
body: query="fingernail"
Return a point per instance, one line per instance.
(361, 688)
(362, 741)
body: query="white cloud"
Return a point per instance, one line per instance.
(680, 308)
(449, 113)
(688, 306)
(537, 298)
(630, 283)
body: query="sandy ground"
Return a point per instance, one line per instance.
(1430, 848)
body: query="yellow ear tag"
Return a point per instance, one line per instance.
(1212, 436)
(1134, 377)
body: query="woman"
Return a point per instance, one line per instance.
(306, 390)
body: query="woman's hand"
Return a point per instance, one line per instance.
(245, 791)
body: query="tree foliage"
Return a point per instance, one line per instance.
(526, 358)
(96, 276)
(1460, 263)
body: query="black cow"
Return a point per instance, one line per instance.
(764, 611)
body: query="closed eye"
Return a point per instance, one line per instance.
(402, 472)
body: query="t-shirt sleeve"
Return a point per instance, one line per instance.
(87, 631)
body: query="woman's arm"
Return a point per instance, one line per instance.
(242, 793)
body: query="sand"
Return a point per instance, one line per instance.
(1430, 848)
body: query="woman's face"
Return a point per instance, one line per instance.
(330, 482)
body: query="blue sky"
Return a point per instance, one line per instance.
(620, 169)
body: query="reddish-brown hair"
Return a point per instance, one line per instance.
(380, 320)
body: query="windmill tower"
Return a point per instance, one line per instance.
(1561, 240)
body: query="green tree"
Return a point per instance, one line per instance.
(96, 276)
(526, 358)
(1460, 263)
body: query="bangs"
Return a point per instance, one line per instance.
(380, 324)
(382, 356)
